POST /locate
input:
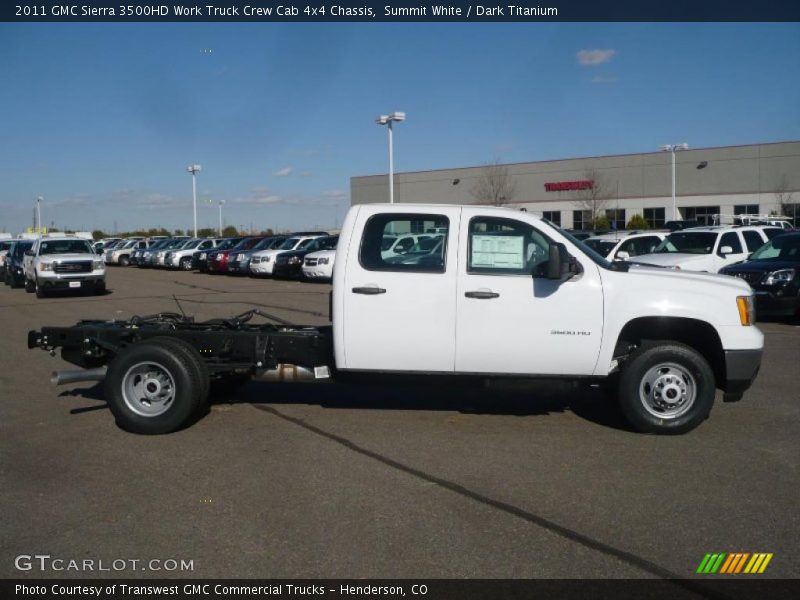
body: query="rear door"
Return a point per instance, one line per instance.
(399, 311)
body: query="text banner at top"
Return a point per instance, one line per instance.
(281, 11)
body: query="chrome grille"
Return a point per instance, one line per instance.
(84, 266)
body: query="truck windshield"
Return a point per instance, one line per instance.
(688, 242)
(289, 244)
(602, 247)
(65, 247)
(786, 247)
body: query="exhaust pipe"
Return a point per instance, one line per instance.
(287, 372)
(63, 377)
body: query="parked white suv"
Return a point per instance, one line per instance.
(623, 245)
(263, 263)
(121, 253)
(63, 263)
(707, 249)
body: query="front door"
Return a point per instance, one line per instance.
(512, 322)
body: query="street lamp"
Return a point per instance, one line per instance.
(388, 120)
(221, 202)
(673, 148)
(39, 214)
(194, 170)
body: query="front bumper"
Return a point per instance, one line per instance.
(741, 368)
(262, 268)
(73, 282)
(286, 270)
(239, 266)
(316, 273)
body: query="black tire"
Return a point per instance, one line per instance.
(40, 293)
(185, 385)
(186, 263)
(682, 392)
(29, 286)
(124, 261)
(191, 354)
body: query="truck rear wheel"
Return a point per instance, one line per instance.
(153, 388)
(191, 354)
(666, 388)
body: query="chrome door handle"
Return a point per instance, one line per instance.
(369, 290)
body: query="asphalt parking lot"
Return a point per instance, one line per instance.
(406, 480)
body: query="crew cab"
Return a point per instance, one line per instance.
(505, 294)
(63, 263)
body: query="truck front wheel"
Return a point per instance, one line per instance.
(666, 388)
(152, 388)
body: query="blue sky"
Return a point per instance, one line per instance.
(102, 119)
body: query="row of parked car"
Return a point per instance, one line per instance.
(305, 254)
(767, 257)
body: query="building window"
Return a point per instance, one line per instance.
(702, 214)
(581, 219)
(745, 209)
(554, 216)
(616, 218)
(654, 216)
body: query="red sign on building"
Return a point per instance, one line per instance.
(563, 186)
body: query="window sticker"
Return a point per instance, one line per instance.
(498, 252)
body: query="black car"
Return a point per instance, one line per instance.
(773, 271)
(12, 273)
(681, 225)
(290, 264)
(200, 258)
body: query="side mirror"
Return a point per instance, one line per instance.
(560, 265)
(622, 255)
(725, 250)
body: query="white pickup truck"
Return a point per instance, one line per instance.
(507, 295)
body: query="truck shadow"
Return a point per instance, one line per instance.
(518, 398)
(463, 395)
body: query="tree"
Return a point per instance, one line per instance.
(230, 231)
(785, 198)
(638, 222)
(494, 185)
(178, 232)
(98, 235)
(206, 232)
(595, 197)
(601, 222)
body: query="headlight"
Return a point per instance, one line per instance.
(323, 261)
(295, 260)
(202, 256)
(782, 276)
(45, 266)
(747, 309)
(97, 264)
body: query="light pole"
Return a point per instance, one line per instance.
(39, 214)
(388, 120)
(221, 202)
(673, 148)
(194, 170)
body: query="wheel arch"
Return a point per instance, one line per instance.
(695, 333)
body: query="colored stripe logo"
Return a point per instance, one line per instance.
(734, 563)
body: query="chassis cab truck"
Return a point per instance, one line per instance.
(501, 294)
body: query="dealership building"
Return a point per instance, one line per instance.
(731, 180)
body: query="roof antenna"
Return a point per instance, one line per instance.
(180, 308)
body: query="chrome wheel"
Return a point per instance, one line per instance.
(148, 389)
(667, 391)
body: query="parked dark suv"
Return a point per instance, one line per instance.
(773, 271)
(290, 264)
(13, 274)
